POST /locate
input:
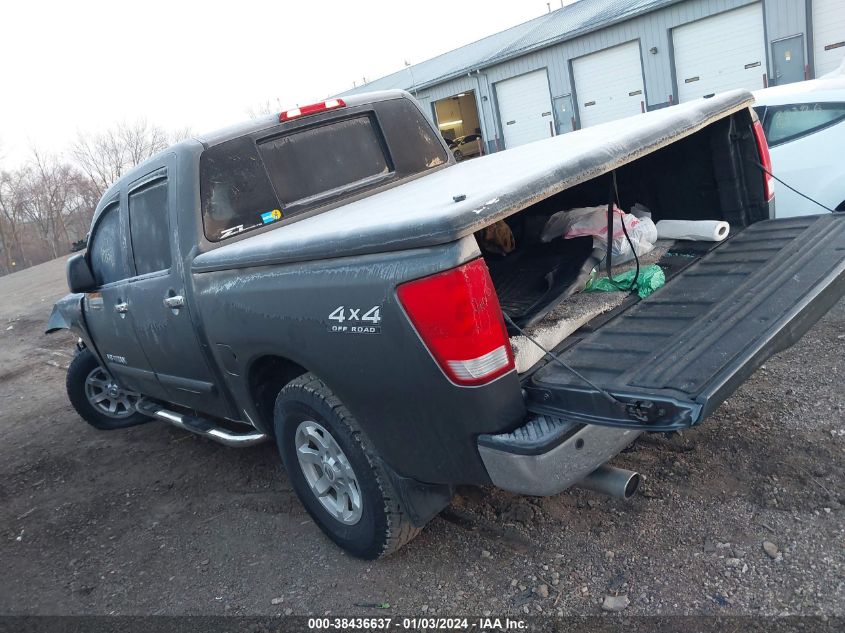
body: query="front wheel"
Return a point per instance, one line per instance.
(335, 474)
(97, 398)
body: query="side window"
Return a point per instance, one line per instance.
(149, 227)
(789, 122)
(106, 254)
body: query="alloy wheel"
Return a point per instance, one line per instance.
(328, 472)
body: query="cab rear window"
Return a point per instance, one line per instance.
(251, 181)
(235, 189)
(322, 160)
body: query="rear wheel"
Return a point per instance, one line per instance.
(97, 398)
(335, 473)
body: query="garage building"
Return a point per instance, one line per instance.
(598, 60)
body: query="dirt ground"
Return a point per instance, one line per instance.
(152, 520)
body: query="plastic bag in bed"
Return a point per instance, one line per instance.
(643, 238)
(593, 221)
(585, 221)
(650, 279)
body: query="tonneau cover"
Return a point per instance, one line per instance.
(453, 202)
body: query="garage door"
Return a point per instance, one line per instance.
(525, 108)
(609, 84)
(828, 35)
(719, 53)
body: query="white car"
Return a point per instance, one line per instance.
(805, 126)
(466, 146)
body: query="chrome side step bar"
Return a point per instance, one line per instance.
(201, 426)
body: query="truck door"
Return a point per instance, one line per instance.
(106, 310)
(162, 317)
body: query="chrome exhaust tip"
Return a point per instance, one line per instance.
(612, 481)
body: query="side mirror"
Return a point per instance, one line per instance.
(80, 278)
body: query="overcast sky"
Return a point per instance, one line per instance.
(84, 65)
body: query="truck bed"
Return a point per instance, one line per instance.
(459, 200)
(581, 308)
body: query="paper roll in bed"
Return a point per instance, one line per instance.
(701, 230)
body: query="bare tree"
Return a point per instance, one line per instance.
(80, 208)
(140, 140)
(105, 157)
(4, 240)
(181, 134)
(261, 109)
(48, 203)
(11, 217)
(52, 190)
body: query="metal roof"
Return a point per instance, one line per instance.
(557, 26)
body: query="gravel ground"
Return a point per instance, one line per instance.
(743, 516)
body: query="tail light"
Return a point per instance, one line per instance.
(458, 317)
(765, 160)
(314, 108)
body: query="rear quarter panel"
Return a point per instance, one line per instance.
(422, 425)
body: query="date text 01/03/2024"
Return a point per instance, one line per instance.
(482, 624)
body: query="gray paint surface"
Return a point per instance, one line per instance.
(551, 41)
(423, 212)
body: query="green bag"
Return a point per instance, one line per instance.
(651, 278)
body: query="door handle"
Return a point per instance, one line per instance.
(121, 308)
(175, 302)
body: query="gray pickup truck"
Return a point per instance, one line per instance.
(320, 277)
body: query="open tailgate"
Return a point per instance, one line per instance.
(675, 356)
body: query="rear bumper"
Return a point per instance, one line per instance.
(548, 455)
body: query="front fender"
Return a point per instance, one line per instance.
(67, 315)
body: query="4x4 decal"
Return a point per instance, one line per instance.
(351, 320)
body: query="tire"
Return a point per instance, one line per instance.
(306, 411)
(86, 381)
(459, 155)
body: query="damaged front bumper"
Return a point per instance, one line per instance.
(548, 455)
